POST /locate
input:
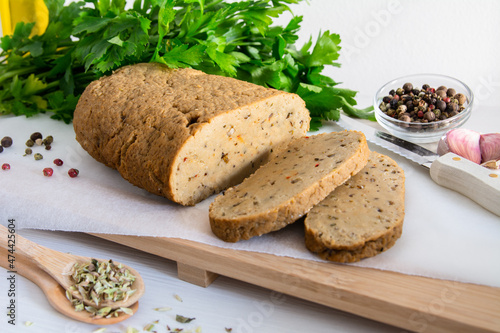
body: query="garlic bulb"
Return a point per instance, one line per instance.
(479, 148)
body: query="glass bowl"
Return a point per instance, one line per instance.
(423, 132)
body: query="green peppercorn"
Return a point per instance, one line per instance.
(48, 140)
(30, 143)
(28, 151)
(400, 91)
(6, 141)
(38, 156)
(391, 112)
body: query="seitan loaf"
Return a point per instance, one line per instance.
(288, 186)
(181, 133)
(362, 217)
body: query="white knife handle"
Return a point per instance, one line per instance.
(468, 178)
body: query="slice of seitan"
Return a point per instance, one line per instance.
(362, 217)
(181, 133)
(288, 186)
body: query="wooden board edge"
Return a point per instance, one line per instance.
(414, 303)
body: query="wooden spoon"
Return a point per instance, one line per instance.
(56, 295)
(59, 265)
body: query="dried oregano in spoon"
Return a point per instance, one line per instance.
(100, 282)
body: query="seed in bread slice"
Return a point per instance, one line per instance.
(288, 186)
(362, 217)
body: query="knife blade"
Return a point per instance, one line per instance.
(472, 180)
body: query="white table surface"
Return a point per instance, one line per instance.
(377, 47)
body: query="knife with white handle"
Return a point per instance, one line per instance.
(476, 182)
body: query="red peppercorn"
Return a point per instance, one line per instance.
(6, 166)
(73, 172)
(420, 114)
(58, 162)
(446, 99)
(47, 172)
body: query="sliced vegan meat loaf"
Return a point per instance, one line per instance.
(362, 217)
(288, 186)
(181, 133)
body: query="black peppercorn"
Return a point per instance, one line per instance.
(425, 87)
(393, 103)
(6, 142)
(451, 107)
(441, 105)
(451, 92)
(35, 136)
(429, 116)
(1, 149)
(386, 99)
(408, 87)
(392, 92)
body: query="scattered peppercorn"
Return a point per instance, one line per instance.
(38, 156)
(73, 172)
(47, 172)
(1, 149)
(6, 141)
(28, 151)
(48, 140)
(30, 143)
(58, 162)
(38, 142)
(35, 136)
(6, 166)
(48, 147)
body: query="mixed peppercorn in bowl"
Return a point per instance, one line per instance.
(422, 108)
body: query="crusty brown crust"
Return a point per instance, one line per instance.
(250, 222)
(361, 218)
(139, 119)
(369, 249)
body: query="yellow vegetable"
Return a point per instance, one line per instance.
(14, 11)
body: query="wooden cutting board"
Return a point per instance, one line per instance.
(413, 303)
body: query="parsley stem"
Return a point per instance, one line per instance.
(15, 72)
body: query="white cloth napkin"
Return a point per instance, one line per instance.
(445, 235)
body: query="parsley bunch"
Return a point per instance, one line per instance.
(88, 39)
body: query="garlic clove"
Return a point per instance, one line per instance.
(465, 143)
(490, 147)
(442, 147)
